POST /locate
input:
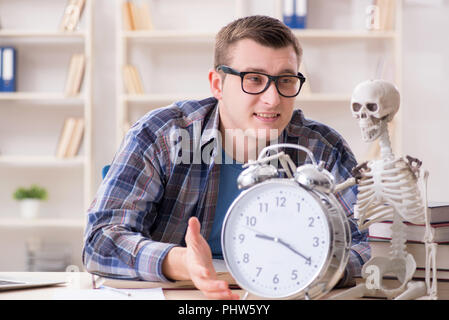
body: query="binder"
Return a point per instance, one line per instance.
(8, 72)
(300, 14)
(295, 13)
(288, 11)
(1, 68)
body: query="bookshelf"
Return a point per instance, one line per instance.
(172, 44)
(32, 118)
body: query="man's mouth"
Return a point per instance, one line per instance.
(267, 116)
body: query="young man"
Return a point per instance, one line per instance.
(157, 218)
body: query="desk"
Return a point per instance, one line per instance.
(85, 283)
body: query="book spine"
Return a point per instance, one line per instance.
(8, 69)
(1, 69)
(300, 14)
(288, 11)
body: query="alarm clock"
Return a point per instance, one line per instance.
(286, 238)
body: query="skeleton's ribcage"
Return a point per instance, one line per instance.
(384, 192)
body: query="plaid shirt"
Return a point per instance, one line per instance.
(143, 204)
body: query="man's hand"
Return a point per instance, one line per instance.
(195, 263)
(198, 259)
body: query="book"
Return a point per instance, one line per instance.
(128, 23)
(414, 232)
(136, 16)
(131, 77)
(220, 268)
(8, 69)
(1, 69)
(75, 75)
(66, 135)
(386, 9)
(72, 15)
(300, 16)
(442, 275)
(294, 13)
(417, 249)
(75, 139)
(438, 212)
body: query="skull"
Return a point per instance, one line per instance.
(374, 103)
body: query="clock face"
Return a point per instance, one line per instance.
(275, 239)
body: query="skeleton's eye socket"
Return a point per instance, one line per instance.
(372, 107)
(356, 107)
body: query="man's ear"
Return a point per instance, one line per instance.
(215, 84)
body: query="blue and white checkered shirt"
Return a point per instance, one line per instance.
(143, 204)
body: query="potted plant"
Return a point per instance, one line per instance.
(30, 200)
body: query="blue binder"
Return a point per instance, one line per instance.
(8, 72)
(288, 12)
(1, 69)
(300, 14)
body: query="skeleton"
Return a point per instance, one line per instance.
(389, 190)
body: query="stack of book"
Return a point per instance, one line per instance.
(7, 69)
(75, 75)
(72, 15)
(131, 77)
(47, 257)
(71, 138)
(380, 236)
(136, 17)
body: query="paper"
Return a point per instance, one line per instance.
(109, 294)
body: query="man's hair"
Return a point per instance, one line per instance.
(264, 30)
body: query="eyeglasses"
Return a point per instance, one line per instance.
(257, 82)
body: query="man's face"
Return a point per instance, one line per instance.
(265, 111)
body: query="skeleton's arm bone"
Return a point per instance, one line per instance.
(344, 185)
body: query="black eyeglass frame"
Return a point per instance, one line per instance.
(271, 78)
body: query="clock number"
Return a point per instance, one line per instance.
(311, 221)
(251, 221)
(259, 270)
(263, 207)
(298, 206)
(316, 241)
(241, 237)
(294, 274)
(280, 201)
(245, 257)
(275, 279)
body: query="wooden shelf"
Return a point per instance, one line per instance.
(42, 34)
(41, 161)
(168, 98)
(60, 97)
(204, 36)
(42, 223)
(343, 34)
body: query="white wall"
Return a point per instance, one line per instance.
(425, 90)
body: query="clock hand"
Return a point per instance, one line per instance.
(279, 240)
(294, 250)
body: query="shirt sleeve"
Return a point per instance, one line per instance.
(343, 162)
(117, 242)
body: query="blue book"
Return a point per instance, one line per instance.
(8, 72)
(288, 11)
(300, 14)
(1, 68)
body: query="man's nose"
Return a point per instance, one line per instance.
(271, 95)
